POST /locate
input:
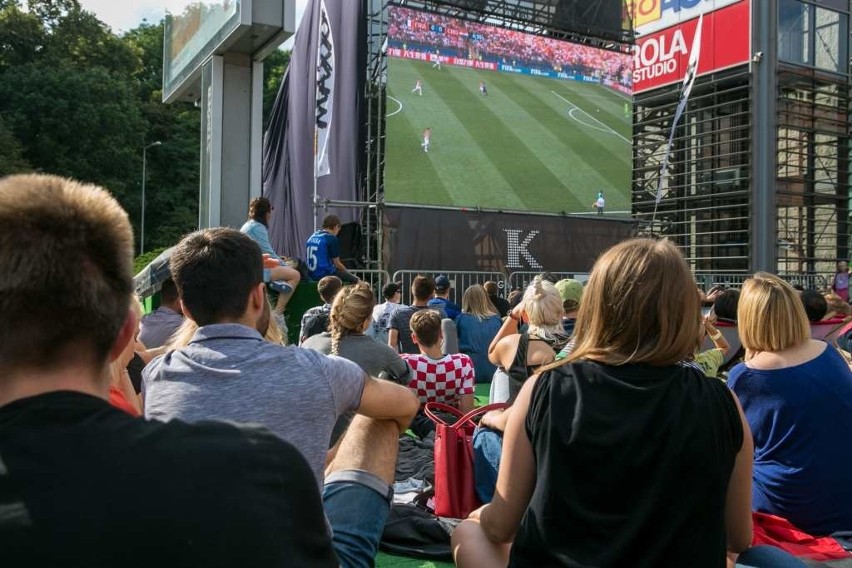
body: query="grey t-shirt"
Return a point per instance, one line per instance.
(228, 372)
(400, 320)
(373, 357)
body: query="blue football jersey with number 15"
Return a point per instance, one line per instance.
(321, 248)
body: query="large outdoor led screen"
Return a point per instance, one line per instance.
(481, 116)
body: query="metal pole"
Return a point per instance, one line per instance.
(144, 177)
(764, 132)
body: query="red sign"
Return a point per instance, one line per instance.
(661, 58)
(446, 60)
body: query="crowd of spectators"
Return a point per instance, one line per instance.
(621, 441)
(447, 36)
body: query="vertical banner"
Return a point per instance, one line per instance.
(685, 90)
(322, 71)
(325, 92)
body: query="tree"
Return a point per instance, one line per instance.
(274, 67)
(11, 160)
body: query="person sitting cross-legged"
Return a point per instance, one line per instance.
(448, 379)
(228, 372)
(315, 320)
(85, 484)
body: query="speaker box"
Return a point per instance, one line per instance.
(351, 246)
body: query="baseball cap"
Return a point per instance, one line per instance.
(442, 282)
(570, 290)
(390, 289)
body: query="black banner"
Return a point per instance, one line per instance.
(436, 239)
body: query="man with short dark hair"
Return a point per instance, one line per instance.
(442, 298)
(815, 305)
(399, 331)
(500, 304)
(157, 327)
(315, 320)
(229, 372)
(83, 483)
(392, 293)
(448, 379)
(322, 251)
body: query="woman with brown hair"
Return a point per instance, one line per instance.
(477, 326)
(621, 454)
(797, 396)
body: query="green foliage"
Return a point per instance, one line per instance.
(145, 259)
(77, 100)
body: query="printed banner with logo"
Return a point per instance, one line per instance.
(307, 136)
(426, 239)
(661, 55)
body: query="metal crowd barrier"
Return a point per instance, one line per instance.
(523, 279)
(375, 278)
(459, 281)
(807, 281)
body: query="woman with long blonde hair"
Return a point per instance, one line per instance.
(351, 315)
(477, 326)
(797, 396)
(621, 454)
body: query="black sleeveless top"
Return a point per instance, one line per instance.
(520, 371)
(632, 466)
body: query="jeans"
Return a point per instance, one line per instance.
(356, 504)
(487, 446)
(768, 557)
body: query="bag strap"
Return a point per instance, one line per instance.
(463, 419)
(430, 408)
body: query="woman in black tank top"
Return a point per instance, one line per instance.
(621, 455)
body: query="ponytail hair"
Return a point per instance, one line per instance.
(351, 308)
(543, 306)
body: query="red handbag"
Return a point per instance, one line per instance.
(455, 490)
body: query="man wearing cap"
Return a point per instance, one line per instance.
(442, 298)
(571, 292)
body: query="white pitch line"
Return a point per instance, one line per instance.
(592, 117)
(397, 111)
(598, 128)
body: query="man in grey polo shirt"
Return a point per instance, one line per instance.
(229, 372)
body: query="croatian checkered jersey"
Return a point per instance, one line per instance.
(441, 380)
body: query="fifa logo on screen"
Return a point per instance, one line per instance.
(517, 248)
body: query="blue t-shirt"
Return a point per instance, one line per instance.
(259, 234)
(449, 308)
(801, 420)
(321, 248)
(475, 335)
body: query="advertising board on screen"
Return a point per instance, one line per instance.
(480, 116)
(666, 30)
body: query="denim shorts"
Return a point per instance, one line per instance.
(356, 505)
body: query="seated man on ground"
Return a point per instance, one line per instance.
(571, 292)
(157, 327)
(710, 360)
(85, 484)
(448, 379)
(442, 298)
(816, 307)
(315, 320)
(228, 372)
(322, 251)
(500, 303)
(392, 293)
(281, 278)
(399, 330)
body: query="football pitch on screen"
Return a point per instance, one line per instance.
(531, 144)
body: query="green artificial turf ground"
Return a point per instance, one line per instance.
(533, 143)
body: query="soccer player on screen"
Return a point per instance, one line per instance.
(600, 203)
(418, 87)
(436, 59)
(482, 90)
(427, 138)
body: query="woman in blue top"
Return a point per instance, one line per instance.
(797, 396)
(281, 278)
(477, 325)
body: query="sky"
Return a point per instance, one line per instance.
(125, 15)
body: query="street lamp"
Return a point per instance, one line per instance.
(144, 176)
